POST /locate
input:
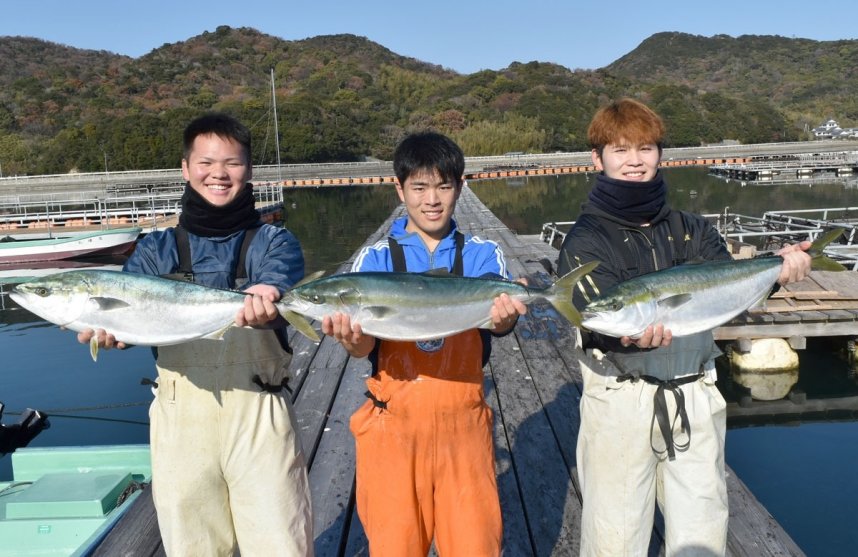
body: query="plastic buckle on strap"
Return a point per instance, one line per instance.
(376, 402)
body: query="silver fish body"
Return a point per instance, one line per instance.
(418, 306)
(693, 297)
(687, 299)
(135, 309)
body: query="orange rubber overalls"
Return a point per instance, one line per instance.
(425, 456)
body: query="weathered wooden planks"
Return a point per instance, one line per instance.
(823, 304)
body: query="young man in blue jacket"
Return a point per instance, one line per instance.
(227, 467)
(425, 456)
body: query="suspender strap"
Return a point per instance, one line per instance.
(660, 412)
(458, 264)
(397, 255)
(183, 248)
(241, 268)
(678, 237)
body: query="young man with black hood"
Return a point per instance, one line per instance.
(652, 420)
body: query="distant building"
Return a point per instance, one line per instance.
(832, 130)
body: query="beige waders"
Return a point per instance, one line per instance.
(227, 465)
(624, 469)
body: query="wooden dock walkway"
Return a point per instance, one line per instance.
(824, 304)
(532, 384)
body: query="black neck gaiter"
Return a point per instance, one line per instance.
(636, 202)
(201, 218)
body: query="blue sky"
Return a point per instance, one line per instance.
(463, 35)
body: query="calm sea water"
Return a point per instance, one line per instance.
(803, 473)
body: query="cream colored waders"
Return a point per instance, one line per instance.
(227, 466)
(622, 476)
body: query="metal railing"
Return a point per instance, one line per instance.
(767, 232)
(143, 206)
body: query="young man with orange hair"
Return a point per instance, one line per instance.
(652, 420)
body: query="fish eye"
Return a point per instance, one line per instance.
(41, 291)
(617, 306)
(316, 299)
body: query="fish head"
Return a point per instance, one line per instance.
(60, 298)
(618, 317)
(322, 297)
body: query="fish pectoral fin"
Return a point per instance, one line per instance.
(487, 325)
(218, 334)
(105, 303)
(93, 348)
(379, 312)
(301, 325)
(674, 302)
(761, 302)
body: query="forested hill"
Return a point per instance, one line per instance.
(343, 97)
(807, 80)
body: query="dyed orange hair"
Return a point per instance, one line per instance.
(625, 120)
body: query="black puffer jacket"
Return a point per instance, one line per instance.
(626, 250)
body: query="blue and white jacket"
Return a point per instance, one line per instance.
(479, 257)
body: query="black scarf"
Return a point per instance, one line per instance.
(636, 202)
(201, 218)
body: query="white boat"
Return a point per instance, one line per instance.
(23, 248)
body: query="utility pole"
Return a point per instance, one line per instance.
(276, 131)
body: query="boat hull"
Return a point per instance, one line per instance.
(102, 242)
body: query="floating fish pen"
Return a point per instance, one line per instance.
(790, 168)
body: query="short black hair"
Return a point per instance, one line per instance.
(429, 151)
(221, 125)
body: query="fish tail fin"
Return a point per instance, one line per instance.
(301, 324)
(93, 348)
(819, 260)
(561, 297)
(218, 334)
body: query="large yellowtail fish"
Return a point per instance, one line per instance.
(137, 309)
(692, 297)
(418, 306)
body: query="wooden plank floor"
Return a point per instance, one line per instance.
(532, 384)
(823, 304)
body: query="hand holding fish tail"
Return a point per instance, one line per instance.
(653, 337)
(505, 312)
(259, 306)
(340, 327)
(797, 262)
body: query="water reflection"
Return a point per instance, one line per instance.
(333, 222)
